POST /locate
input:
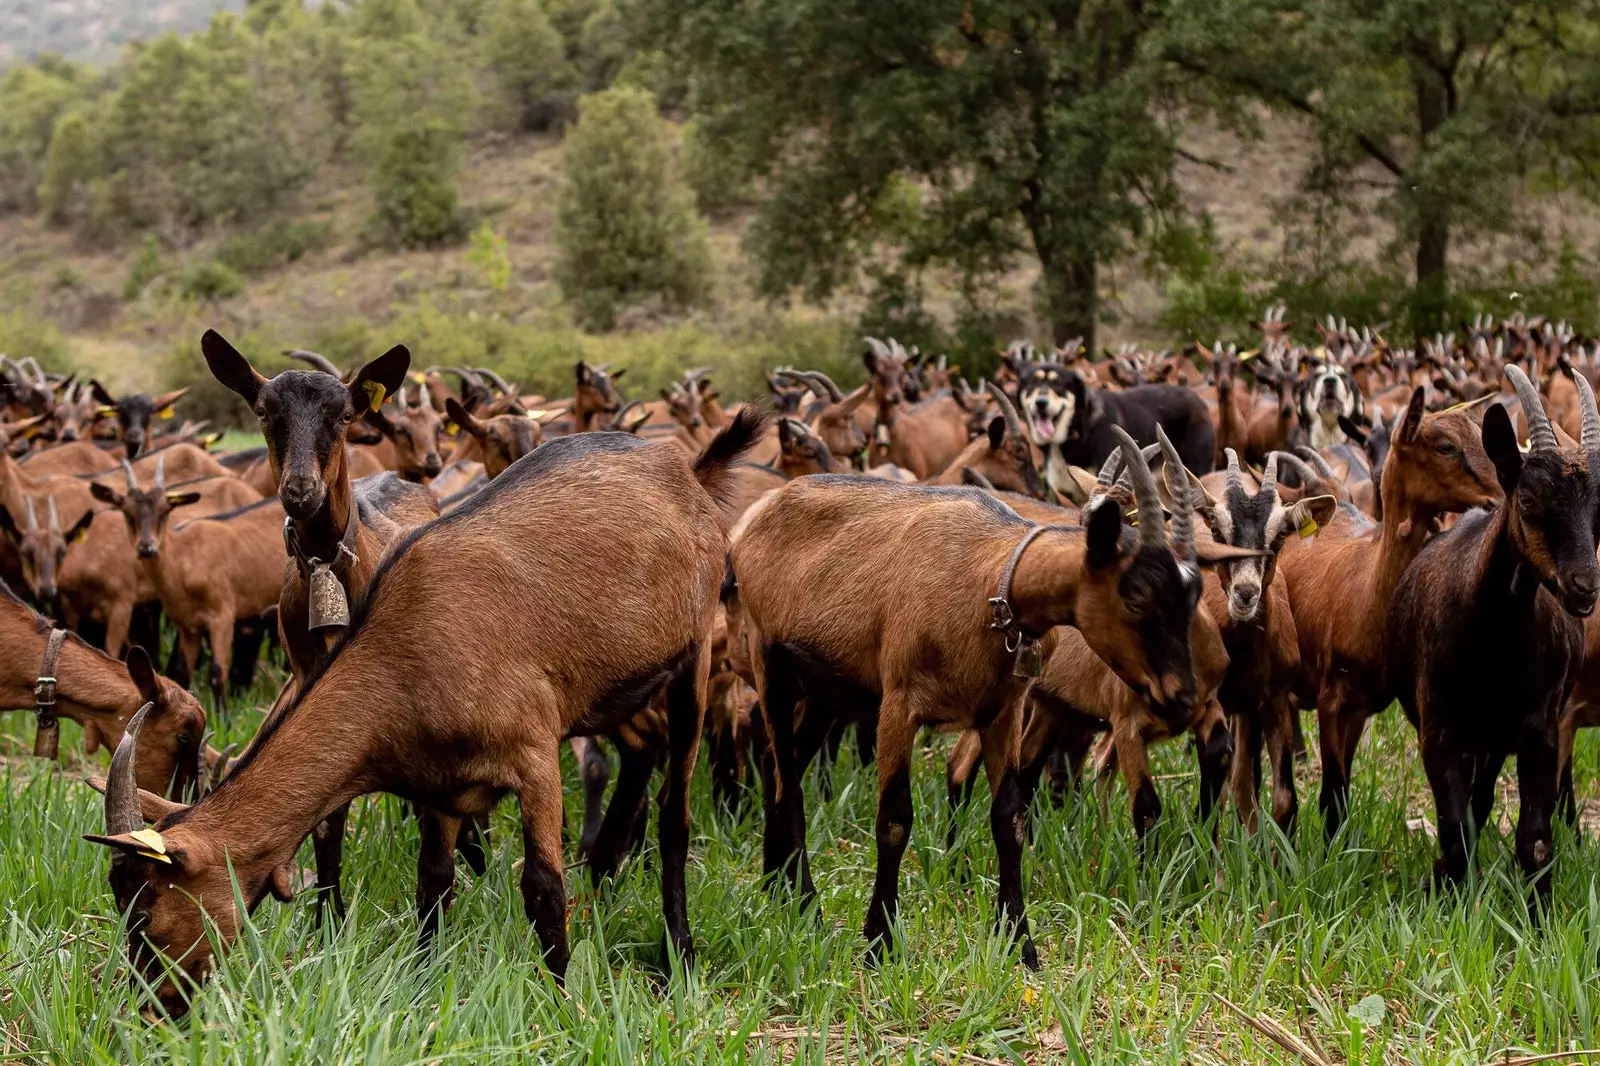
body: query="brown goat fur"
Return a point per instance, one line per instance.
(415, 431)
(502, 439)
(76, 459)
(1341, 582)
(860, 592)
(396, 710)
(101, 694)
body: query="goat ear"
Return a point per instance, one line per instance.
(1500, 441)
(1412, 420)
(1310, 515)
(182, 499)
(616, 375)
(1353, 431)
(105, 494)
(81, 527)
(997, 432)
(464, 418)
(162, 402)
(229, 366)
(101, 395)
(143, 674)
(849, 404)
(384, 376)
(8, 526)
(1105, 534)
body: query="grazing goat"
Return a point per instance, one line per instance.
(862, 593)
(1503, 588)
(395, 710)
(1340, 583)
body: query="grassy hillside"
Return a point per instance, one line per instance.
(93, 29)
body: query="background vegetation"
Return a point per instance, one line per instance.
(516, 181)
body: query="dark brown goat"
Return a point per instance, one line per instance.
(860, 592)
(1340, 583)
(336, 529)
(134, 413)
(1503, 587)
(396, 710)
(502, 439)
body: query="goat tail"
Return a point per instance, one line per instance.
(713, 468)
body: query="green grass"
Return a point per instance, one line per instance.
(1135, 954)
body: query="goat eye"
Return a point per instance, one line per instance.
(1445, 448)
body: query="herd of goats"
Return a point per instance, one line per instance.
(1064, 565)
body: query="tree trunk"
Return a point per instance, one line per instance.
(1430, 302)
(1069, 284)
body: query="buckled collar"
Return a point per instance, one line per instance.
(1003, 616)
(47, 737)
(346, 550)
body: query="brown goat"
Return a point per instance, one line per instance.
(413, 430)
(336, 529)
(101, 694)
(1340, 583)
(395, 710)
(502, 439)
(860, 592)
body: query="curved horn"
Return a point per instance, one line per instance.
(1591, 416)
(424, 397)
(877, 346)
(320, 362)
(1007, 410)
(1541, 437)
(1269, 477)
(54, 519)
(1152, 524)
(127, 472)
(1109, 470)
(494, 379)
(160, 484)
(122, 791)
(691, 376)
(1317, 460)
(1235, 478)
(1301, 468)
(33, 516)
(1182, 501)
(829, 389)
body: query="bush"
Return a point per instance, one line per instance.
(68, 169)
(146, 268)
(626, 227)
(716, 184)
(415, 202)
(528, 58)
(209, 280)
(255, 253)
(488, 255)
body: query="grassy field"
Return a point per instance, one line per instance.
(1173, 959)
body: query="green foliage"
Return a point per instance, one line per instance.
(487, 254)
(625, 222)
(274, 246)
(716, 183)
(412, 96)
(68, 169)
(33, 97)
(1452, 106)
(528, 59)
(1032, 135)
(208, 281)
(24, 335)
(149, 266)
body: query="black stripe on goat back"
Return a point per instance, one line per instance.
(945, 492)
(227, 516)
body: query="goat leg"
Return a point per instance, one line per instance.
(327, 847)
(1244, 776)
(1281, 759)
(1128, 741)
(544, 889)
(1334, 798)
(436, 870)
(686, 711)
(1008, 818)
(1485, 781)
(1450, 775)
(595, 769)
(472, 844)
(958, 776)
(1214, 747)
(896, 733)
(612, 840)
(1537, 772)
(783, 792)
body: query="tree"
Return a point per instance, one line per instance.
(625, 223)
(32, 99)
(412, 98)
(1454, 102)
(528, 57)
(68, 168)
(1018, 128)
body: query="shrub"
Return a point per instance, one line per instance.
(528, 58)
(255, 253)
(146, 268)
(626, 228)
(488, 255)
(717, 184)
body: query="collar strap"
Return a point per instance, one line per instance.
(47, 737)
(346, 549)
(1003, 616)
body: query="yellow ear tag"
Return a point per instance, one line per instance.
(451, 428)
(31, 432)
(419, 377)
(165, 414)
(154, 847)
(1308, 527)
(105, 412)
(1132, 517)
(1245, 357)
(375, 394)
